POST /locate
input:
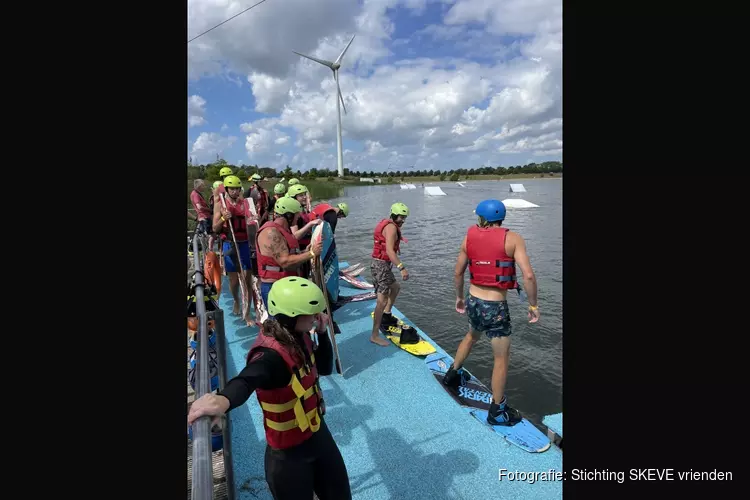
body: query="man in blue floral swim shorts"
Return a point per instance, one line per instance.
(491, 253)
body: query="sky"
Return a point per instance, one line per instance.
(428, 84)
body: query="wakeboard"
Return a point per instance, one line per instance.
(319, 274)
(393, 333)
(475, 398)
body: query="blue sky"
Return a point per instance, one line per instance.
(431, 83)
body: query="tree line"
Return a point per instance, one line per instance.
(210, 172)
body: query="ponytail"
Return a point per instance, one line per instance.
(273, 327)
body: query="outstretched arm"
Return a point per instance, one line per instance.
(300, 233)
(265, 370)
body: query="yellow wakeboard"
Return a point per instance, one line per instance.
(421, 348)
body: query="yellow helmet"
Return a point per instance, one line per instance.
(286, 205)
(232, 181)
(225, 171)
(295, 190)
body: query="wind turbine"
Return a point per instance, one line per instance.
(334, 66)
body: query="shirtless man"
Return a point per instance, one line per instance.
(278, 248)
(491, 252)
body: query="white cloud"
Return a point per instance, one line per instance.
(208, 145)
(196, 110)
(224, 127)
(402, 111)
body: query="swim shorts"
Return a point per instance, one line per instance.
(382, 276)
(264, 289)
(489, 316)
(228, 248)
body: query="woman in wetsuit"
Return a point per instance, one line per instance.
(283, 369)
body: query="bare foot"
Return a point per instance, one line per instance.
(380, 341)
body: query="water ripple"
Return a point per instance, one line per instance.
(435, 229)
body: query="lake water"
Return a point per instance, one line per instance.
(435, 229)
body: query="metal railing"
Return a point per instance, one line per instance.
(202, 481)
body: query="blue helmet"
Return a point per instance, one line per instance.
(491, 210)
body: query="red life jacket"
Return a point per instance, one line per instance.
(262, 205)
(378, 250)
(489, 265)
(292, 413)
(305, 217)
(267, 267)
(238, 220)
(320, 210)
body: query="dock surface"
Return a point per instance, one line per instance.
(400, 433)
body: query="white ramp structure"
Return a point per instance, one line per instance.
(517, 188)
(433, 191)
(408, 186)
(461, 184)
(518, 203)
(334, 66)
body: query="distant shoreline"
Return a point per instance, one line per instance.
(322, 188)
(351, 180)
(469, 178)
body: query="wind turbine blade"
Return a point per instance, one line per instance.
(336, 77)
(319, 61)
(338, 59)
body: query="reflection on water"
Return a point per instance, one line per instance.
(435, 228)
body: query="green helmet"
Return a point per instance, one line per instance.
(232, 181)
(225, 171)
(399, 209)
(295, 190)
(286, 205)
(294, 296)
(255, 178)
(217, 184)
(279, 189)
(344, 209)
(294, 181)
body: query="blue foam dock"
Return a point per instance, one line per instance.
(554, 423)
(399, 432)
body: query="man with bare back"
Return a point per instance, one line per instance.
(491, 252)
(278, 248)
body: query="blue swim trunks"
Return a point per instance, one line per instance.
(229, 259)
(264, 289)
(488, 316)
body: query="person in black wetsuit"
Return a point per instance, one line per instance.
(301, 456)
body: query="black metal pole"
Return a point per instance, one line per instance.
(203, 478)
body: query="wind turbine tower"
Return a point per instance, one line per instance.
(334, 66)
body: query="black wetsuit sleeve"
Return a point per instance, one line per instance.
(332, 218)
(265, 370)
(324, 355)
